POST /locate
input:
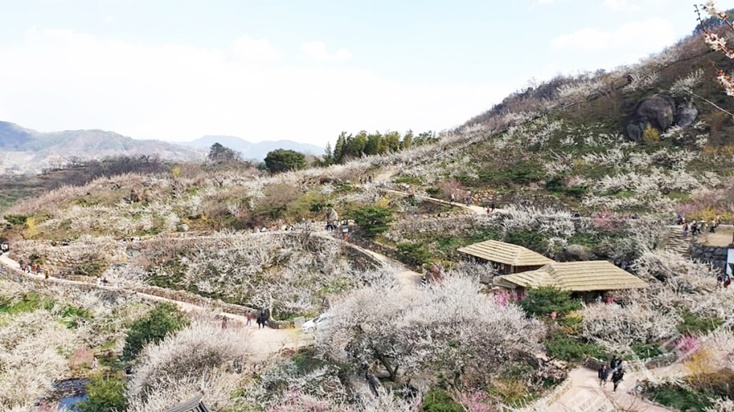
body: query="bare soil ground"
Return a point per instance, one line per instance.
(723, 237)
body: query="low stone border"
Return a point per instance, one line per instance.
(543, 403)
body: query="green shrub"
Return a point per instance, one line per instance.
(527, 238)
(373, 220)
(411, 180)
(104, 394)
(433, 191)
(546, 300)
(414, 253)
(556, 184)
(73, 316)
(693, 324)
(645, 351)
(678, 397)
(523, 173)
(568, 349)
(438, 400)
(16, 219)
(161, 321)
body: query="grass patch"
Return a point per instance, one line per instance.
(678, 397)
(73, 316)
(438, 400)
(569, 349)
(693, 324)
(646, 351)
(29, 302)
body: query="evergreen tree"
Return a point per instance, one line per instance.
(393, 141)
(328, 156)
(407, 140)
(222, 154)
(373, 144)
(355, 145)
(341, 141)
(282, 160)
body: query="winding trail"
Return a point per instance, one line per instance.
(584, 394)
(477, 210)
(264, 342)
(580, 393)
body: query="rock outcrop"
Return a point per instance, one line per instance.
(658, 111)
(686, 114)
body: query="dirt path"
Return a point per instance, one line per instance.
(723, 237)
(264, 343)
(477, 210)
(586, 395)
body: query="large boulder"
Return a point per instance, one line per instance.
(658, 111)
(686, 114)
(576, 253)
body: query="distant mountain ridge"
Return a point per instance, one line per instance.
(250, 150)
(29, 151)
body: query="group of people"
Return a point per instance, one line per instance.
(29, 267)
(614, 369)
(723, 280)
(261, 319)
(697, 227)
(490, 208)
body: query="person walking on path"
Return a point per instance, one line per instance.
(617, 377)
(615, 363)
(261, 320)
(249, 317)
(603, 375)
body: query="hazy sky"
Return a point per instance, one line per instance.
(303, 70)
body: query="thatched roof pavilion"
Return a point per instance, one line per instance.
(587, 276)
(515, 258)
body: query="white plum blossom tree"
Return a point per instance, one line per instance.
(450, 328)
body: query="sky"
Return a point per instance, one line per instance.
(177, 70)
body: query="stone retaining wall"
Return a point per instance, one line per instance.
(67, 259)
(716, 256)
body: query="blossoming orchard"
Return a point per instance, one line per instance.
(569, 249)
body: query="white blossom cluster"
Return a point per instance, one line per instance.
(447, 327)
(200, 356)
(294, 271)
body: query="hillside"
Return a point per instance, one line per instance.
(589, 167)
(640, 139)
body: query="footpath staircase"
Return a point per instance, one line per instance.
(674, 241)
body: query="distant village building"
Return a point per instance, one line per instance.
(586, 278)
(195, 404)
(506, 257)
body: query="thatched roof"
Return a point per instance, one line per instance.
(195, 404)
(507, 253)
(574, 276)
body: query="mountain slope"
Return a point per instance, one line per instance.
(250, 150)
(564, 144)
(28, 151)
(14, 137)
